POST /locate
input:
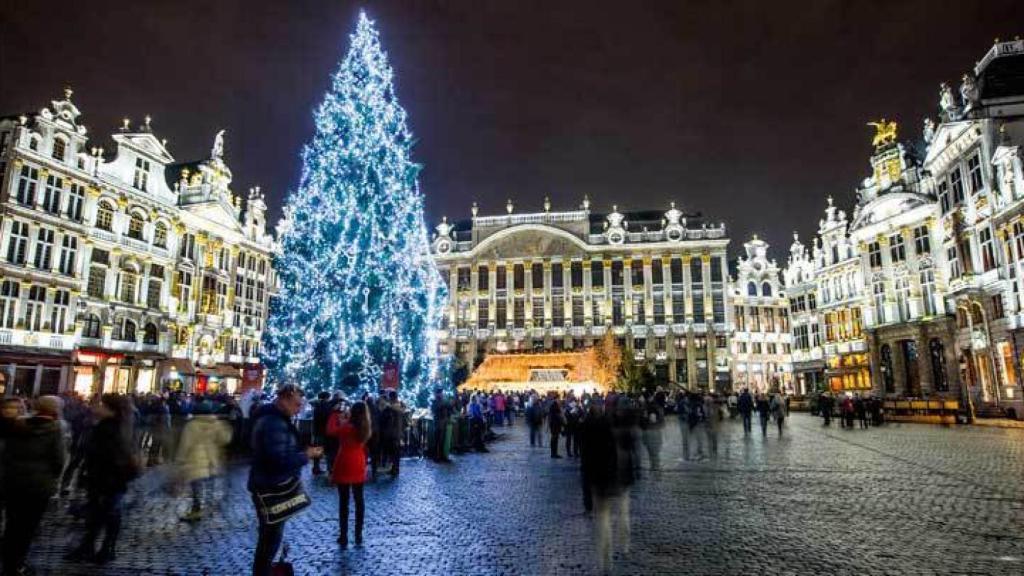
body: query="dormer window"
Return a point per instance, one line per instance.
(141, 181)
(59, 149)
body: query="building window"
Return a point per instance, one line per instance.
(944, 197)
(105, 217)
(617, 279)
(187, 250)
(27, 182)
(557, 312)
(974, 173)
(657, 277)
(637, 272)
(897, 250)
(751, 289)
(153, 292)
(34, 308)
(888, 378)
(639, 311)
(902, 287)
(766, 289)
(59, 311)
(160, 235)
(518, 277)
(956, 182)
(954, 263)
(482, 313)
(483, 279)
(576, 274)
(59, 149)
(97, 281)
(988, 252)
(596, 274)
(501, 278)
(997, 307)
(91, 327)
(557, 280)
(141, 180)
(928, 291)
(51, 194)
(76, 200)
(502, 313)
(17, 245)
(128, 283)
(922, 241)
(874, 255)
(718, 307)
(135, 225)
(618, 317)
(879, 296)
(595, 313)
(124, 331)
(938, 356)
(150, 335)
(9, 292)
(44, 249)
(519, 313)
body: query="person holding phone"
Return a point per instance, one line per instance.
(352, 429)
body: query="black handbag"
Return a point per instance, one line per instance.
(281, 502)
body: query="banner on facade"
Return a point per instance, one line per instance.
(389, 378)
(252, 377)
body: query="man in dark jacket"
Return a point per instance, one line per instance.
(277, 457)
(32, 463)
(322, 408)
(392, 428)
(745, 406)
(556, 421)
(441, 410)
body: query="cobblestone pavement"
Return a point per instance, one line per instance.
(902, 499)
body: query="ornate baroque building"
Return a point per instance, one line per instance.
(761, 343)
(125, 272)
(560, 280)
(807, 354)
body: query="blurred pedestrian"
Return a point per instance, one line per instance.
(556, 422)
(200, 458)
(392, 429)
(352, 429)
(778, 408)
(33, 458)
(764, 409)
(321, 412)
(712, 422)
(110, 465)
(745, 406)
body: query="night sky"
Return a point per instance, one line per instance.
(749, 112)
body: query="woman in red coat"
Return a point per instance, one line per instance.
(352, 431)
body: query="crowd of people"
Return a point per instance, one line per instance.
(91, 450)
(850, 408)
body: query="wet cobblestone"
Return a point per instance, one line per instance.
(902, 499)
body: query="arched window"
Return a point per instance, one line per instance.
(751, 289)
(888, 378)
(105, 217)
(91, 328)
(766, 289)
(128, 334)
(879, 295)
(938, 356)
(149, 334)
(135, 225)
(129, 283)
(59, 148)
(160, 235)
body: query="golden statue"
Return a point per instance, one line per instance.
(885, 132)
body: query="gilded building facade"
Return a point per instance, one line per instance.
(123, 272)
(560, 280)
(807, 354)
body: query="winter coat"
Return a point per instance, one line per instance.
(778, 407)
(599, 455)
(33, 456)
(745, 403)
(350, 462)
(110, 463)
(277, 453)
(392, 421)
(556, 420)
(201, 449)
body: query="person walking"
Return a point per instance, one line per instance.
(477, 423)
(573, 416)
(353, 430)
(712, 422)
(778, 408)
(110, 465)
(321, 412)
(651, 425)
(33, 458)
(860, 407)
(277, 461)
(848, 411)
(556, 421)
(535, 419)
(441, 411)
(200, 457)
(392, 428)
(745, 406)
(695, 417)
(825, 407)
(764, 408)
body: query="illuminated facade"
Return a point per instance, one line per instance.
(761, 343)
(111, 279)
(807, 354)
(552, 281)
(974, 164)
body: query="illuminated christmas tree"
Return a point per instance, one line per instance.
(358, 287)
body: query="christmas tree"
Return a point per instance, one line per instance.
(359, 290)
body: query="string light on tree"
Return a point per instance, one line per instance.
(359, 288)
